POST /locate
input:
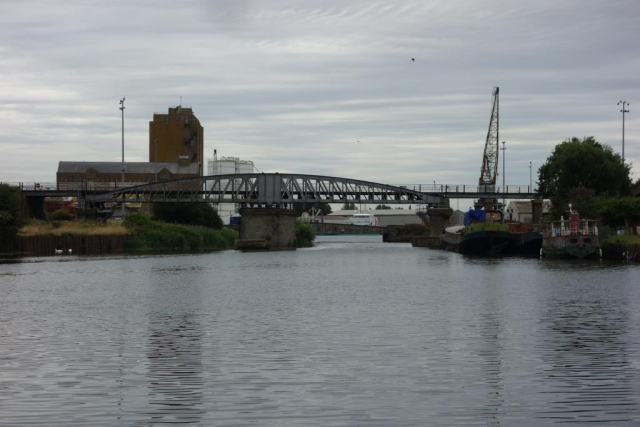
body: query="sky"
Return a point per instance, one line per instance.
(319, 87)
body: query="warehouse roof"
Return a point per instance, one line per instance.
(131, 167)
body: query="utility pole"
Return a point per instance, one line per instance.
(123, 168)
(623, 111)
(156, 142)
(530, 178)
(504, 162)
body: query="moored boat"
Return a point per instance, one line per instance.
(484, 233)
(571, 238)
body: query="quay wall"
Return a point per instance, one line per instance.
(81, 245)
(332, 228)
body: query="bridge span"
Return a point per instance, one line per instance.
(272, 188)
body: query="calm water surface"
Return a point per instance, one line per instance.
(351, 332)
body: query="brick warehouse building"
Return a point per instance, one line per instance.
(176, 137)
(97, 173)
(176, 150)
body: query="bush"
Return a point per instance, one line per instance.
(305, 234)
(10, 216)
(201, 214)
(148, 234)
(137, 219)
(61, 215)
(87, 213)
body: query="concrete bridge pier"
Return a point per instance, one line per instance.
(275, 226)
(438, 220)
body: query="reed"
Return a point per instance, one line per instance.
(73, 228)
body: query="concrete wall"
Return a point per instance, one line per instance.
(278, 226)
(386, 220)
(332, 228)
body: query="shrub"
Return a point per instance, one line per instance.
(61, 215)
(201, 214)
(136, 220)
(87, 213)
(305, 234)
(148, 234)
(10, 216)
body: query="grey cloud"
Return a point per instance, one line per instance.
(291, 85)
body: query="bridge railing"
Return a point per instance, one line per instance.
(73, 186)
(464, 188)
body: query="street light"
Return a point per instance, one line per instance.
(623, 111)
(156, 142)
(530, 178)
(123, 168)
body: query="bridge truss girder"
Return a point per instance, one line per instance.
(270, 188)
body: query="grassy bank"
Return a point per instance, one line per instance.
(138, 231)
(147, 234)
(613, 247)
(73, 228)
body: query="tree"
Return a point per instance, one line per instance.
(582, 167)
(382, 207)
(10, 216)
(201, 214)
(349, 206)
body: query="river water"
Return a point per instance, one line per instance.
(351, 332)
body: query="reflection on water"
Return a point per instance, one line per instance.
(350, 332)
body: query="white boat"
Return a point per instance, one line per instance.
(363, 219)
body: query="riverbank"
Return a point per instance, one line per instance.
(137, 233)
(148, 234)
(621, 247)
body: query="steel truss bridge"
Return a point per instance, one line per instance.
(272, 188)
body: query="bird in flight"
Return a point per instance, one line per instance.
(413, 59)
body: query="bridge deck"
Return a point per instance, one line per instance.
(272, 188)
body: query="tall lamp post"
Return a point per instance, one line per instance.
(504, 161)
(156, 142)
(623, 111)
(530, 178)
(123, 168)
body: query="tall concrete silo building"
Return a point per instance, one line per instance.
(177, 137)
(227, 166)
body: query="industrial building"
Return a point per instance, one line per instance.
(177, 137)
(175, 151)
(94, 174)
(523, 211)
(227, 166)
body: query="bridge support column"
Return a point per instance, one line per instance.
(438, 220)
(275, 226)
(34, 207)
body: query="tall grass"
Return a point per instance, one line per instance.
(157, 235)
(73, 228)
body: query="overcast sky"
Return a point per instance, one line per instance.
(324, 87)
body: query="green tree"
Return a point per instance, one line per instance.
(187, 213)
(349, 206)
(10, 216)
(382, 207)
(305, 234)
(583, 167)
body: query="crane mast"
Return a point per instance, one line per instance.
(489, 171)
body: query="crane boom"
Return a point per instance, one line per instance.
(489, 171)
